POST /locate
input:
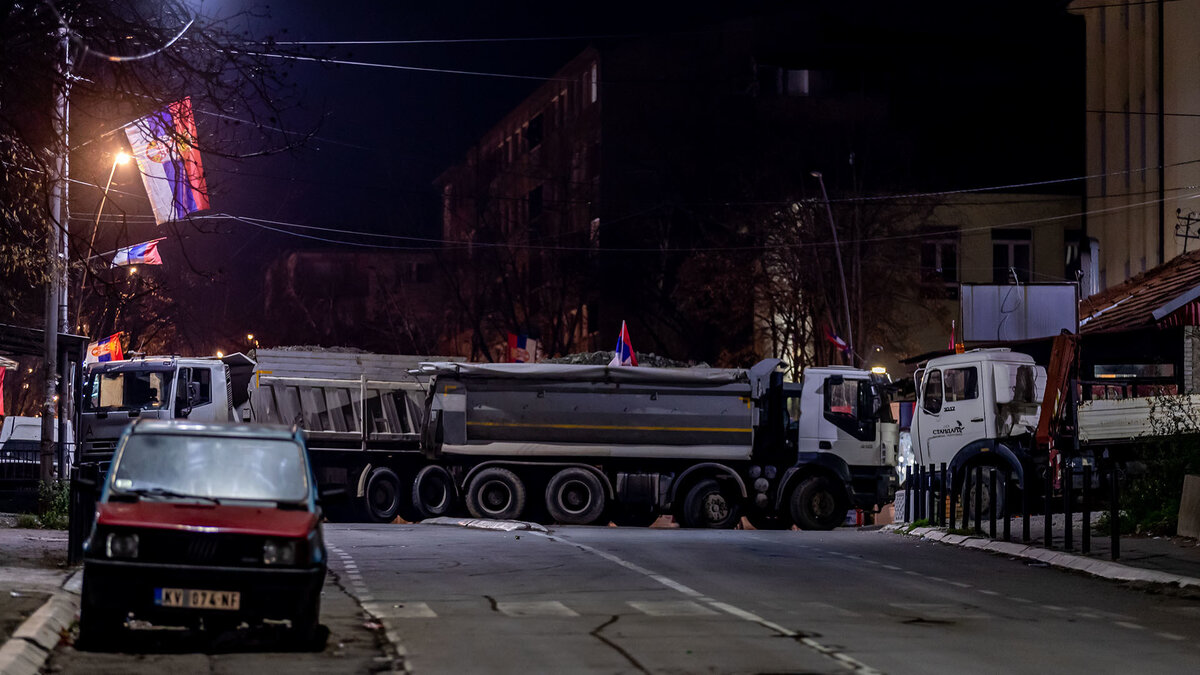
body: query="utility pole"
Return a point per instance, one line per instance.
(841, 271)
(57, 245)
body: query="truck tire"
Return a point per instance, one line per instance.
(817, 504)
(433, 493)
(496, 493)
(706, 505)
(381, 497)
(968, 497)
(575, 496)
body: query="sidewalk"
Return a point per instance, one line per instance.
(34, 607)
(1166, 563)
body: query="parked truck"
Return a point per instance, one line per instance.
(999, 410)
(418, 439)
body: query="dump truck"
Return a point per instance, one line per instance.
(704, 445)
(412, 437)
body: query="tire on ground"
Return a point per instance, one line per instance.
(818, 504)
(706, 505)
(381, 497)
(433, 493)
(496, 493)
(968, 496)
(575, 496)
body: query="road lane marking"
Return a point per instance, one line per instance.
(824, 609)
(848, 662)
(1171, 636)
(535, 608)
(670, 608)
(1130, 626)
(400, 610)
(938, 611)
(987, 592)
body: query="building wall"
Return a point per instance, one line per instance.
(1143, 65)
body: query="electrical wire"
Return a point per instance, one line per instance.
(393, 66)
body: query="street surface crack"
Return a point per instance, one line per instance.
(394, 652)
(616, 647)
(495, 605)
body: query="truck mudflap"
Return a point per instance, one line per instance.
(990, 452)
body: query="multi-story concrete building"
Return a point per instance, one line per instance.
(1143, 134)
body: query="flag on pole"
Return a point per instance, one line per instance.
(164, 145)
(521, 349)
(624, 355)
(837, 341)
(2, 369)
(108, 349)
(953, 326)
(145, 253)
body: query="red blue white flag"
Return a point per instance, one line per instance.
(108, 349)
(837, 341)
(521, 349)
(164, 145)
(624, 355)
(145, 253)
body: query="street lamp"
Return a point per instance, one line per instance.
(121, 157)
(841, 271)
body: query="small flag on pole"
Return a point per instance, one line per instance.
(624, 355)
(521, 349)
(164, 145)
(145, 253)
(837, 341)
(953, 326)
(108, 349)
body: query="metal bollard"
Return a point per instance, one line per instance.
(953, 504)
(1086, 537)
(1005, 515)
(1114, 516)
(978, 499)
(1047, 531)
(1068, 521)
(1025, 512)
(918, 495)
(992, 503)
(931, 512)
(942, 497)
(908, 508)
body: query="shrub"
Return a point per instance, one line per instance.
(55, 501)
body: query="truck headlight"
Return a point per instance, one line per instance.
(119, 545)
(279, 552)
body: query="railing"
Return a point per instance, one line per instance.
(927, 496)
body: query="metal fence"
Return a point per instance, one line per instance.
(928, 495)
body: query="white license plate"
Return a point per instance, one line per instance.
(197, 599)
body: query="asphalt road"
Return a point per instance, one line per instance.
(608, 600)
(628, 600)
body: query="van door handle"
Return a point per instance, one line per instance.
(976, 419)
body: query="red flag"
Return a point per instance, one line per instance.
(2, 390)
(953, 325)
(624, 355)
(108, 349)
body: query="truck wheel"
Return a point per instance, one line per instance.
(575, 496)
(817, 504)
(382, 498)
(968, 497)
(496, 493)
(433, 492)
(707, 506)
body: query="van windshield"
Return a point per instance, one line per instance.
(127, 390)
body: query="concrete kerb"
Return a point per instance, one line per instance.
(34, 640)
(478, 524)
(1100, 568)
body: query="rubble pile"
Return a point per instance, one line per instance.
(648, 360)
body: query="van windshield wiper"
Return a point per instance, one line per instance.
(166, 494)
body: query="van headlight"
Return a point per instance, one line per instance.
(121, 545)
(276, 552)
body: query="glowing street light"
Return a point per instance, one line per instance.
(121, 157)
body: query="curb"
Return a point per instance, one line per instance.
(34, 640)
(1099, 568)
(497, 525)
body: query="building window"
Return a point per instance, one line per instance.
(533, 135)
(593, 84)
(1011, 253)
(939, 264)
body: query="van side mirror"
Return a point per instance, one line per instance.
(1003, 383)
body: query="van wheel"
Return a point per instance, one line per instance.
(817, 505)
(99, 628)
(433, 493)
(496, 493)
(382, 495)
(706, 505)
(985, 497)
(575, 496)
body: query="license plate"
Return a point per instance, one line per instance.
(197, 599)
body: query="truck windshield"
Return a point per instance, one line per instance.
(127, 390)
(211, 467)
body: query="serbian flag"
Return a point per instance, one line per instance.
(521, 349)
(837, 341)
(624, 355)
(108, 349)
(145, 253)
(953, 326)
(164, 146)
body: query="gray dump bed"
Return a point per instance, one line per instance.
(597, 411)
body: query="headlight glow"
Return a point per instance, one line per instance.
(118, 545)
(279, 552)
